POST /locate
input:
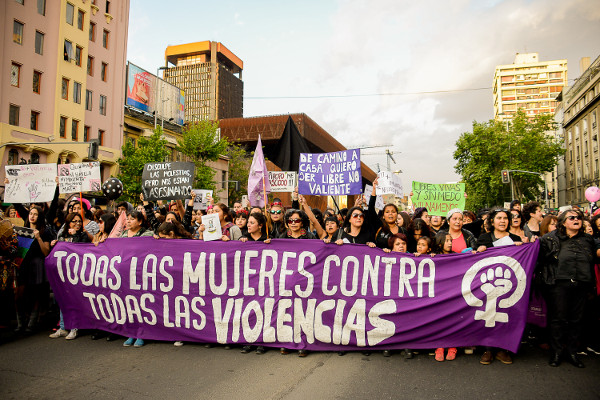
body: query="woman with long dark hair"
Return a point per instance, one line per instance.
(354, 229)
(418, 228)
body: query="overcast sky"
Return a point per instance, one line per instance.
(364, 67)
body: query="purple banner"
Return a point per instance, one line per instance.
(298, 294)
(330, 174)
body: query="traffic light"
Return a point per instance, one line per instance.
(505, 177)
(549, 195)
(93, 150)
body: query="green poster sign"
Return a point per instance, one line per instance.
(439, 198)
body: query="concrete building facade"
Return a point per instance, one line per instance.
(211, 77)
(581, 108)
(62, 79)
(528, 83)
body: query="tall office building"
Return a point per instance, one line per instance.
(211, 77)
(62, 80)
(528, 83)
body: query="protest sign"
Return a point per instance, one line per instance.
(389, 183)
(167, 181)
(79, 177)
(31, 183)
(282, 181)
(379, 204)
(297, 294)
(212, 227)
(330, 174)
(202, 198)
(439, 198)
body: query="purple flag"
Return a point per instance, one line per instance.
(298, 294)
(258, 179)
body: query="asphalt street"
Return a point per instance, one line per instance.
(37, 367)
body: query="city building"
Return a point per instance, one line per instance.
(211, 77)
(581, 105)
(62, 77)
(529, 84)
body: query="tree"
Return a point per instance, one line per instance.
(239, 169)
(201, 143)
(493, 146)
(131, 164)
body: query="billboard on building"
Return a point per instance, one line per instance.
(146, 92)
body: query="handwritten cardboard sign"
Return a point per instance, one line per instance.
(379, 203)
(282, 181)
(439, 198)
(389, 183)
(79, 177)
(168, 180)
(31, 183)
(202, 198)
(330, 174)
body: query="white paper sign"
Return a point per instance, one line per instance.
(212, 227)
(31, 183)
(282, 181)
(379, 204)
(79, 177)
(202, 198)
(389, 183)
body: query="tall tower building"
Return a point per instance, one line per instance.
(62, 80)
(528, 83)
(211, 77)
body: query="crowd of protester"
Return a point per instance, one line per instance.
(566, 274)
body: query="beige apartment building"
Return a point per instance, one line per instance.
(581, 106)
(528, 83)
(211, 77)
(62, 80)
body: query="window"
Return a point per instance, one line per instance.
(88, 100)
(101, 137)
(102, 105)
(18, 32)
(90, 66)
(41, 6)
(103, 71)
(35, 119)
(39, 42)
(78, 51)
(13, 157)
(13, 115)
(107, 7)
(68, 56)
(92, 32)
(77, 92)
(37, 82)
(105, 39)
(74, 130)
(15, 75)
(21, 2)
(70, 13)
(86, 133)
(63, 127)
(65, 89)
(80, 18)
(35, 158)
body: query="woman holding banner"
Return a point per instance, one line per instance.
(355, 229)
(386, 226)
(275, 219)
(462, 239)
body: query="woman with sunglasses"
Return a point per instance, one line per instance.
(355, 230)
(275, 219)
(566, 268)
(516, 225)
(75, 233)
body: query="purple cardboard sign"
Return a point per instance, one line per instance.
(298, 294)
(330, 174)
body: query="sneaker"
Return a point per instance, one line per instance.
(469, 350)
(260, 350)
(451, 354)
(72, 335)
(129, 342)
(302, 353)
(284, 351)
(504, 357)
(408, 354)
(387, 353)
(58, 333)
(486, 358)
(595, 350)
(178, 343)
(246, 349)
(439, 354)
(138, 343)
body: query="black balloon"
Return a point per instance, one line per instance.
(112, 188)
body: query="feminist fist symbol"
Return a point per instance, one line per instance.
(495, 283)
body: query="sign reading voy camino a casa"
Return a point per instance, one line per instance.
(330, 174)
